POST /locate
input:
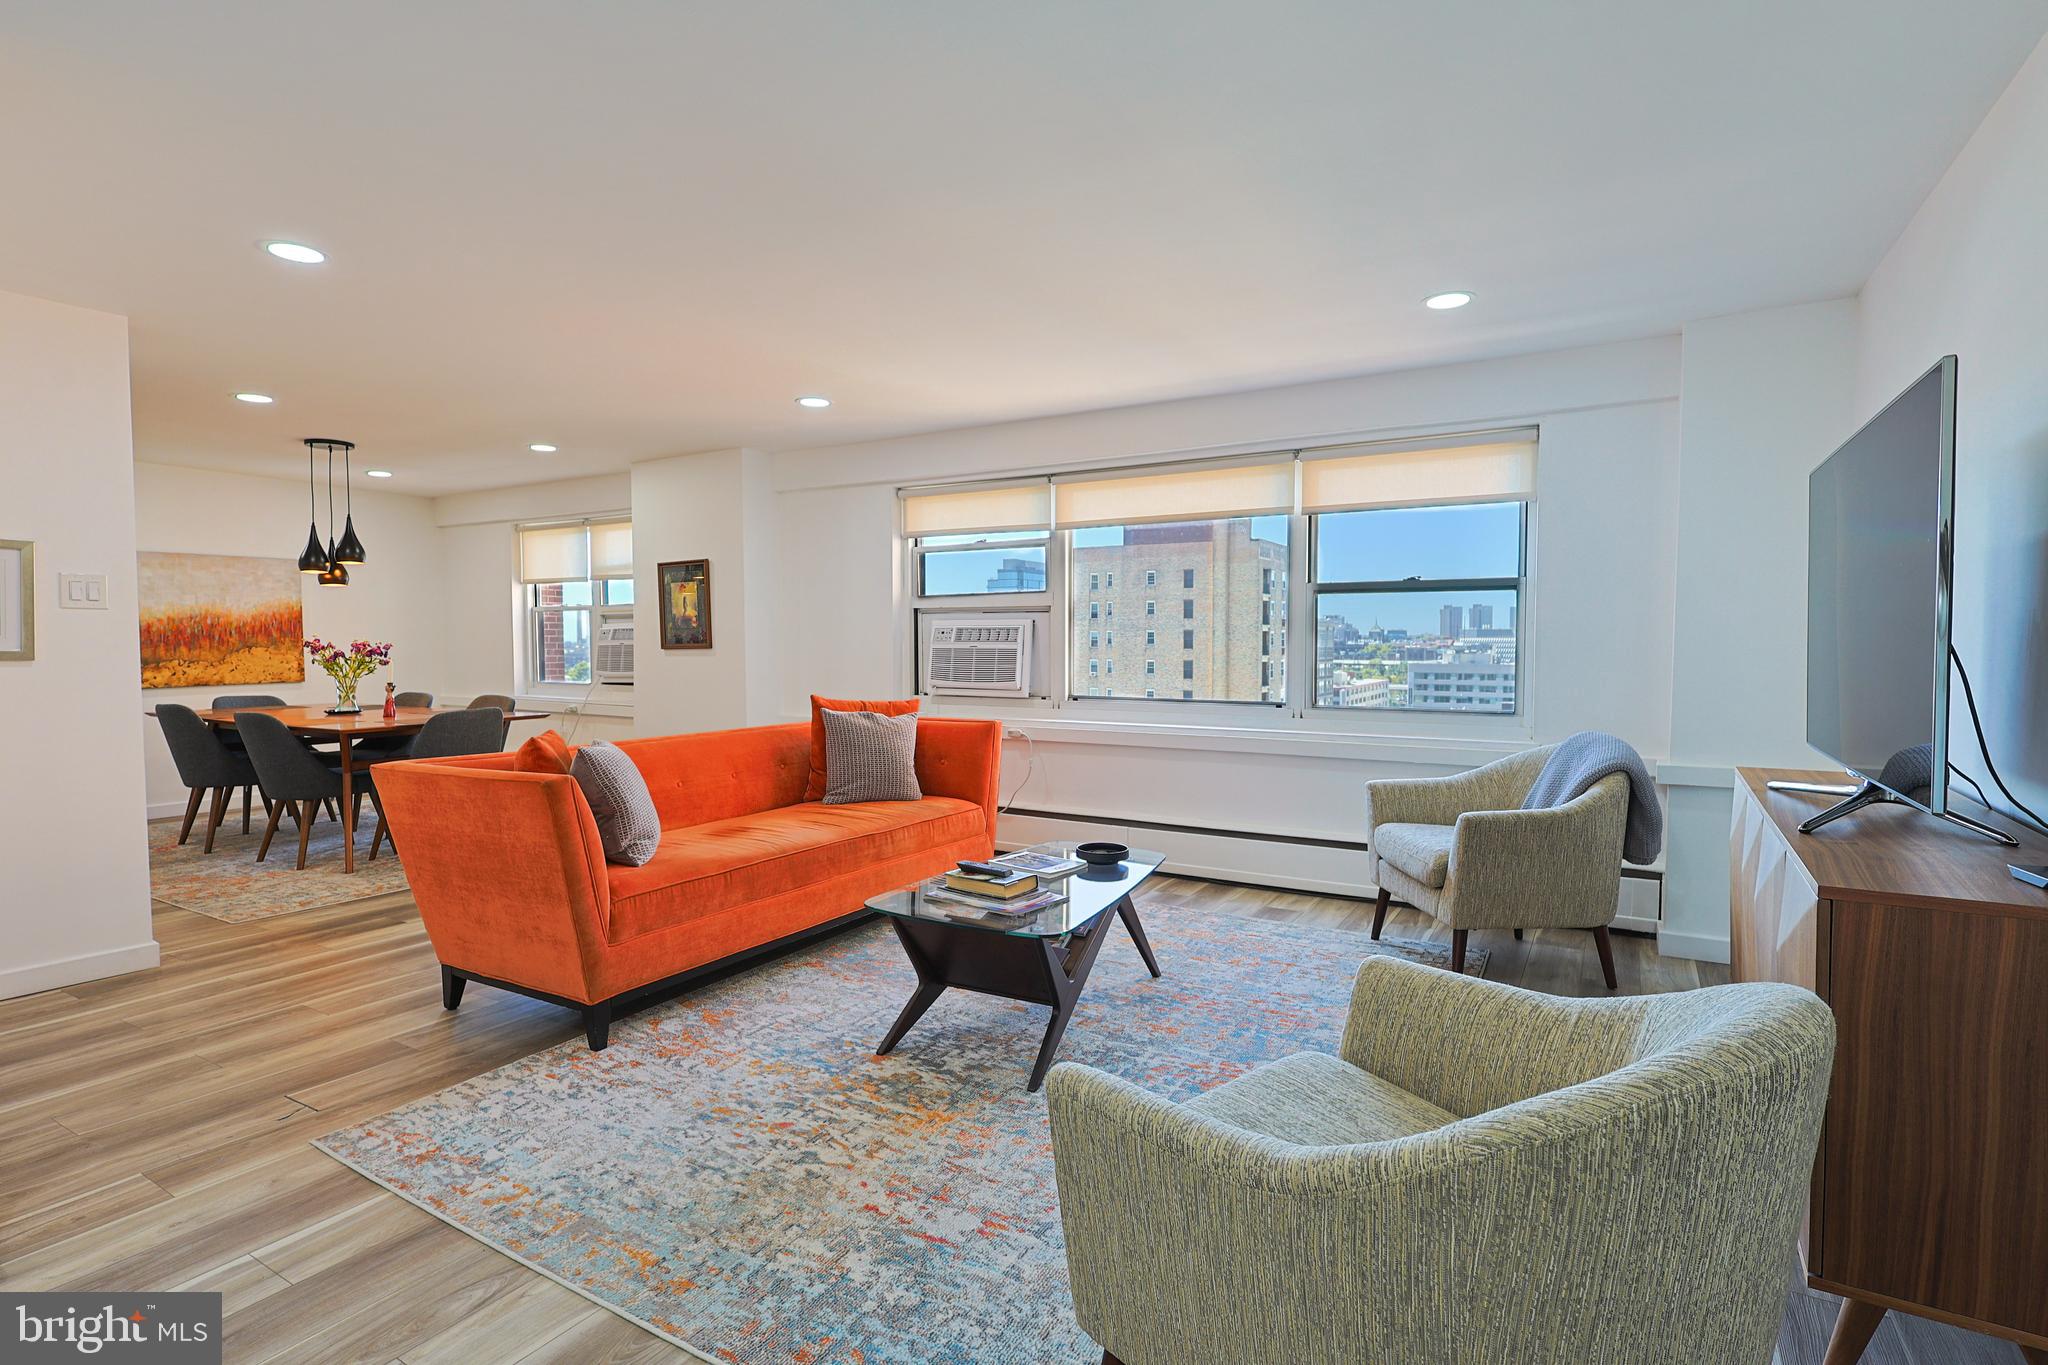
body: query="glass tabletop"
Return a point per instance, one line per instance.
(1089, 892)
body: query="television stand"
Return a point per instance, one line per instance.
(1870, 794)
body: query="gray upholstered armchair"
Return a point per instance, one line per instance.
(1486, 1174)
(1462, 849)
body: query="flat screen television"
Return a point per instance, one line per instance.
(1880, 550)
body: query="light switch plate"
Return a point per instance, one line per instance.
(82, 591)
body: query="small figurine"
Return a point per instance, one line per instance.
(390, 701)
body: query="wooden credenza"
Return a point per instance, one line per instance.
(1930, 1192)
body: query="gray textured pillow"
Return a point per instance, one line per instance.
(869, 757)
(620, 802)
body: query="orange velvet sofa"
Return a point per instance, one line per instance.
(513, 887)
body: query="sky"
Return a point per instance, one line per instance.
(1479, 541)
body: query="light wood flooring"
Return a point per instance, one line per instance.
(154, 1130)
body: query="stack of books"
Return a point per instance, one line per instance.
(993, 888)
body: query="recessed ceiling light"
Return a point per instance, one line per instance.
(541, 448)
(378, 473)
(1456, 298)
(254, 398)
(296, 252)
(812, 400)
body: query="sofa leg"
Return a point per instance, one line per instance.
(597, 1025)
(1379, 912)
(1518, 935)
(1458, 951)
(451, 987)
(1108, 1359)
(1606, 955)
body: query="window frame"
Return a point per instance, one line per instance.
(1517, 585)
(526, 659)
(1060, 678)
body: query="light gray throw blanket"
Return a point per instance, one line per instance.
(1581, 760)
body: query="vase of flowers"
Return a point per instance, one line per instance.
(348, 665)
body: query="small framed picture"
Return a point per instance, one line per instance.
(17, 601)
(685, 589)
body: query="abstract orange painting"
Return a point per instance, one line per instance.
(214, 619)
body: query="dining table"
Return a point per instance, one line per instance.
(318, 724)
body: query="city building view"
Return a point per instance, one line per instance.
(1193, 611)
(1467, 664)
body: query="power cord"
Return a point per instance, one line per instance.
(1984, 748)
(1030, 766)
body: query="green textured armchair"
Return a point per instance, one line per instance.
(1463, 850)
(1485, 1175)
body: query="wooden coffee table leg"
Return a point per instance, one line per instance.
(1128, 913)
(1066, 972)
(920, 1001)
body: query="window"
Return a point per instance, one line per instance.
(567, 570)
(1243, 549)
(1419, 608)
(1412, 556)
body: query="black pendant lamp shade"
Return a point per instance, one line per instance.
(314, 558)
(329, 562)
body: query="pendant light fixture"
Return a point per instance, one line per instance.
(313, 559)
(350, 550)
(334, 575)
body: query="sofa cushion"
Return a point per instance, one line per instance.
(1421, 851)
(546, 752)
(618, 800)
(814, 790)
(869, 757)
(702, 869)
(1317, 1100)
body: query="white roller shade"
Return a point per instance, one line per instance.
(984, 507)
(554, 554)
(1381, 476)
(1198, 494)
(611, 549)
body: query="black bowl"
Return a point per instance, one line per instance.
(1101, 854)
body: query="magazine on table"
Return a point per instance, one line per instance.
(937, 891)
(1040, 862)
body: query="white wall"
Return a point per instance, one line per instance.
(1766, 396)
(1600, 611)
(74, 877)
(481, 615)
(716, 505)
(394, 595)
(1969, 275)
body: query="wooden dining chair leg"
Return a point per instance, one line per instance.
(1379, 911)
(270, 829)
(1458, 951)
(378, 837)
(246, 791)
(305, 832)
(214, 813)
(1606, 955)
(191, 814)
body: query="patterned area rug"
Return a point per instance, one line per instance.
(740, 1174)
(229, 884)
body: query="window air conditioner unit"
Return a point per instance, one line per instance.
(979, 656)
(612, 653)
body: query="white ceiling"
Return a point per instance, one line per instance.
(637, 229)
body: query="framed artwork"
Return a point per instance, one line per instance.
(17, 601)
(684, 586)
(209, 620)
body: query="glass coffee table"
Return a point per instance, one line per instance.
(1042, 958)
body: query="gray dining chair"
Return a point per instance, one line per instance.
(290, 772)
(393, 746)
(205, 764)
(476, 730)
(500, 701)
(243, 701)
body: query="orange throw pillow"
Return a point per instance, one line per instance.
(546, 752)
(814, 790)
